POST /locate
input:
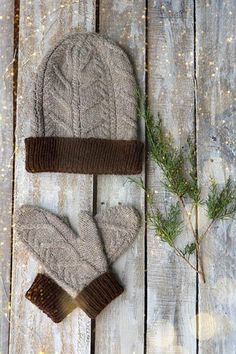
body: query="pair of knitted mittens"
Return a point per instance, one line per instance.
(78, 267)
(84, 113)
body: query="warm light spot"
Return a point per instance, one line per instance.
(178, 349)
(210, 325)
(162, 334)
(225, 290)
(229, 39)
(207, 326)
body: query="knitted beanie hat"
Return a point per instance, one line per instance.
(84, 117)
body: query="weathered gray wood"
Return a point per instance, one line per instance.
(171, 284)
(41, 25)
(6, 159)
(216, 118)
(120, 328)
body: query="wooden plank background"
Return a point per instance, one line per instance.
(216, 99)
(171, 284)
(184, 55)
(31, 332)
(120, 328)
(6, 165)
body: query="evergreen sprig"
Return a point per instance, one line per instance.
(167, 226)
(169, 159)
(189, 249)
(221, 202)
(180, 179)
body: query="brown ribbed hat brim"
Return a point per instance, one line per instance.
(49, 297)
(98, 294)
(86, 156)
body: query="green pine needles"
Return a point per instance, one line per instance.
(168, 226)
(221, 202)
(180, 179)
(171, 160)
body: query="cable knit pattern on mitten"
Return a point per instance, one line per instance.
(119, 227)
(72, 261)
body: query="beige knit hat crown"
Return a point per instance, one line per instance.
(85, 110)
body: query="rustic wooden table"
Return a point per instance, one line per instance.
(184, 54)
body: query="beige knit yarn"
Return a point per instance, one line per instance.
(85, 88)
(84, 116)
(73, 262)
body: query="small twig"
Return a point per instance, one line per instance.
(198, 251)
(193, 206)
(199, 255)
(178, 253)
(188, 218)
(206, 231)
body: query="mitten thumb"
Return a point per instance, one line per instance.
(89, 234)
(118, 228)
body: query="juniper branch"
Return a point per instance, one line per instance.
(169, 159)
(221, 203)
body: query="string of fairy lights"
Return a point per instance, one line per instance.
(42, 31)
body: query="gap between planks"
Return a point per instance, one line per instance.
(14, 97)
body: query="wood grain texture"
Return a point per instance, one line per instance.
(171, 284)
(41, 25)
(216, 119)
(120, 328)
(6, 159)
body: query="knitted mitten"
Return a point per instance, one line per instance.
(118, 227)
(84, 116)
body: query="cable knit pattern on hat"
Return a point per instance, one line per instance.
(85, 88)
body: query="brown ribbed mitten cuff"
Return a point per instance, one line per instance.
(78, 155)
(98, 294)
(49, 297)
